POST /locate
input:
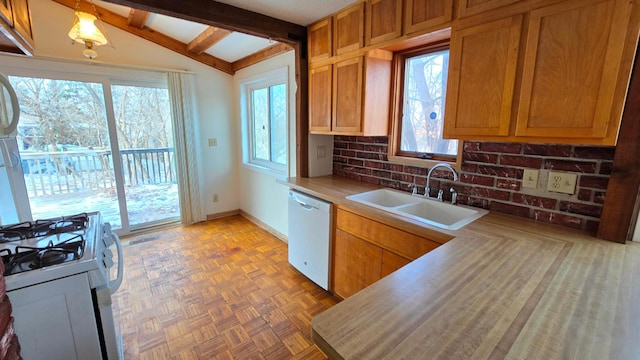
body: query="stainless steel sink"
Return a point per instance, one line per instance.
(429, 211)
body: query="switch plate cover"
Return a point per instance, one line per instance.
(530, 178)
(562, 182)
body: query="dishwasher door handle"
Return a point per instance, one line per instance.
(302, 203)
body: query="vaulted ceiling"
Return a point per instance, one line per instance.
(222, 49)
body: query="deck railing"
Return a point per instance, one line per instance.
(54, 173)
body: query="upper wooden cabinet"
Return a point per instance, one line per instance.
(348, 29)
(320, 90)
(482, 72)
(571, 65)
(359, 91)
(383, 22)
(420, 14)
(320, 39)
(16, 34)
(565, 84)
(471, 7)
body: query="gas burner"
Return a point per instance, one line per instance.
(38, 228)
(25, 258)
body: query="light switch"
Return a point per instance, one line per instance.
(530, 178)
(213, 142)
(321, 152)
(562, 182)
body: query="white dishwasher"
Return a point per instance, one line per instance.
(310, 236)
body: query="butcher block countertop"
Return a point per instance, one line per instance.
(502, 287)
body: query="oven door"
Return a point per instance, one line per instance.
(56, 320)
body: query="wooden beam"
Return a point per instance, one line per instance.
(624, 183)
(261, 55)
(138, 18)
(302, 111)
(150, 35)
(223, 16)
(207, 39)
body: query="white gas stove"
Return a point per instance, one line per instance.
(57, 273)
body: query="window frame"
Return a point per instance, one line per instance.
(263, 81)
(397, 109)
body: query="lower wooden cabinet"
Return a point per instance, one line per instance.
(357, 264)
(365, 251)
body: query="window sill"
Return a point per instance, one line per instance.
(425, 162)
(264, 169)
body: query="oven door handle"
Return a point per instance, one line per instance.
(115, 284)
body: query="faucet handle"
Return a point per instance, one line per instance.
(414, 189)
(454, 196)
(440, 194)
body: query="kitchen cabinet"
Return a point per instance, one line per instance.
(420, 15)
(348, 29)
(16, 34)
(354, 99)
(480, 87)
(366, 250)
(357, 264)
(319, 36)
(562, 81)
(384, 21)
(320, 90)
(471, 7)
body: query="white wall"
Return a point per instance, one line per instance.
(260, 195)
(636, 234)
(217, 165)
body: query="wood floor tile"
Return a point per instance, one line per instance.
(221, 289)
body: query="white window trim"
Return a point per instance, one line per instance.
(270, 78)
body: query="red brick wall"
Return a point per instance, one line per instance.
(9, 346)
(491, 176)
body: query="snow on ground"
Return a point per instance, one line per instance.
(145, 203)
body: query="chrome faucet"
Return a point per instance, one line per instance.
(454, 194)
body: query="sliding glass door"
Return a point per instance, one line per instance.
(94, 146)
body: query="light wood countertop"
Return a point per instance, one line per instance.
(502, 287)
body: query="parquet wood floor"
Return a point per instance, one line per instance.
(221, 289)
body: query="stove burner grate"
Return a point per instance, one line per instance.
(27, 258)
(31, 229)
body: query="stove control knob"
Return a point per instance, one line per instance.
(107, 253)
(108, 262)
(107, 240)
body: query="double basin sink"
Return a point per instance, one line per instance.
(417, 207)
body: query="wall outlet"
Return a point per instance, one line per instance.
(562, 182)
(213, 142)
(215, 197)
(530, 178)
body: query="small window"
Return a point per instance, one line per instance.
(418, 121)
(267, 122)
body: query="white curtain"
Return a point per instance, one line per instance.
(181, 91)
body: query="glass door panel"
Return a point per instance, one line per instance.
(65, 148)
(145, 140)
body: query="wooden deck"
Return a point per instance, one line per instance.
(221, 289)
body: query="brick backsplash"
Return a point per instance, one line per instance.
(491, 176)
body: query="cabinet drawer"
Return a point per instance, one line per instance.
(398, 241)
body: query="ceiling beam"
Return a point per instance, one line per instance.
(138, 18)
(224, 16)
(150, 35)
(208, 38)
(264, 54)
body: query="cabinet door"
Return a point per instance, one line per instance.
(22, 19)
(348, 32)
(320, 99)
(482, 72)
(320, 39)
(384, 21)
(392, 262)
(470, 7)
(347, 95)
(357, 264)
(420, 14)
(573, 56)
(5, 12)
